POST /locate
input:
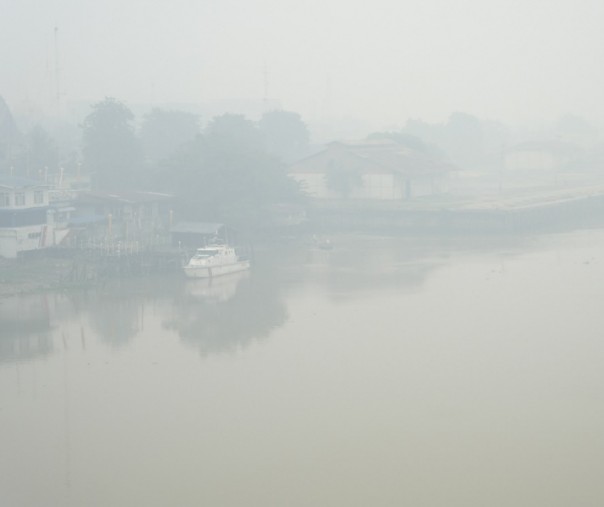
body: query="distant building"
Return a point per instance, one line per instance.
(371, 170)
(27, 220)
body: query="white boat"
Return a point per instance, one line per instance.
(215, 260)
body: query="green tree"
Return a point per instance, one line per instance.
(11, 144)
(111, 150)
(163, 132)
(233, 131)
(285, 135)
(42, 153)
(225, 176)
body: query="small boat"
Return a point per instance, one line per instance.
(322, 243)
(215, 260)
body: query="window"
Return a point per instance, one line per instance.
(20, 199)
(38, 197)
(4, 199)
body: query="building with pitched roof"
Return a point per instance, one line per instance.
(371, 170)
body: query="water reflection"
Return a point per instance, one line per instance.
(227, 313)
(25, 328)
(354, 265)
(393, 359)
(352, 270)
(230, 312)
(115, 316)
(219, 289)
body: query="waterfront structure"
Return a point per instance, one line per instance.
(27, 220)
(131, 216)
(370, 170)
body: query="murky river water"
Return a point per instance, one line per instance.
(379, 373)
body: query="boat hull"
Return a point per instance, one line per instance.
(212, 271)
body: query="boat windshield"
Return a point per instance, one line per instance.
(204, 254)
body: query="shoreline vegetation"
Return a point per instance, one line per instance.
(62, 268)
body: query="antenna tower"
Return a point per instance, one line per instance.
(265, 98)
(57, 67)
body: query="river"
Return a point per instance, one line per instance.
(383, 372)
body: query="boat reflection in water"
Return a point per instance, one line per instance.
(217, 289)
(227, 313)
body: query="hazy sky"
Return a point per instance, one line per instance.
(382, 60)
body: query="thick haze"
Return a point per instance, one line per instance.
(382, 61)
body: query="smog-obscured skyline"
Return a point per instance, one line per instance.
(383, 62)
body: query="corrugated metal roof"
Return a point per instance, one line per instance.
(366, 157)
(14, 182)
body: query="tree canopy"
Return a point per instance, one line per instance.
(10, 137)
(225, 175)
(233, 130)
(111, 150)
(42, 151)
(285, 135)
(163, 132)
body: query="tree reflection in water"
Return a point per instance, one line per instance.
(25, 328)
(117, 310)
(227, 313)
(116, 317)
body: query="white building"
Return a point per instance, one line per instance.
(26, 219)
(370, 170)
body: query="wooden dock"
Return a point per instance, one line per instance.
(99, 260)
